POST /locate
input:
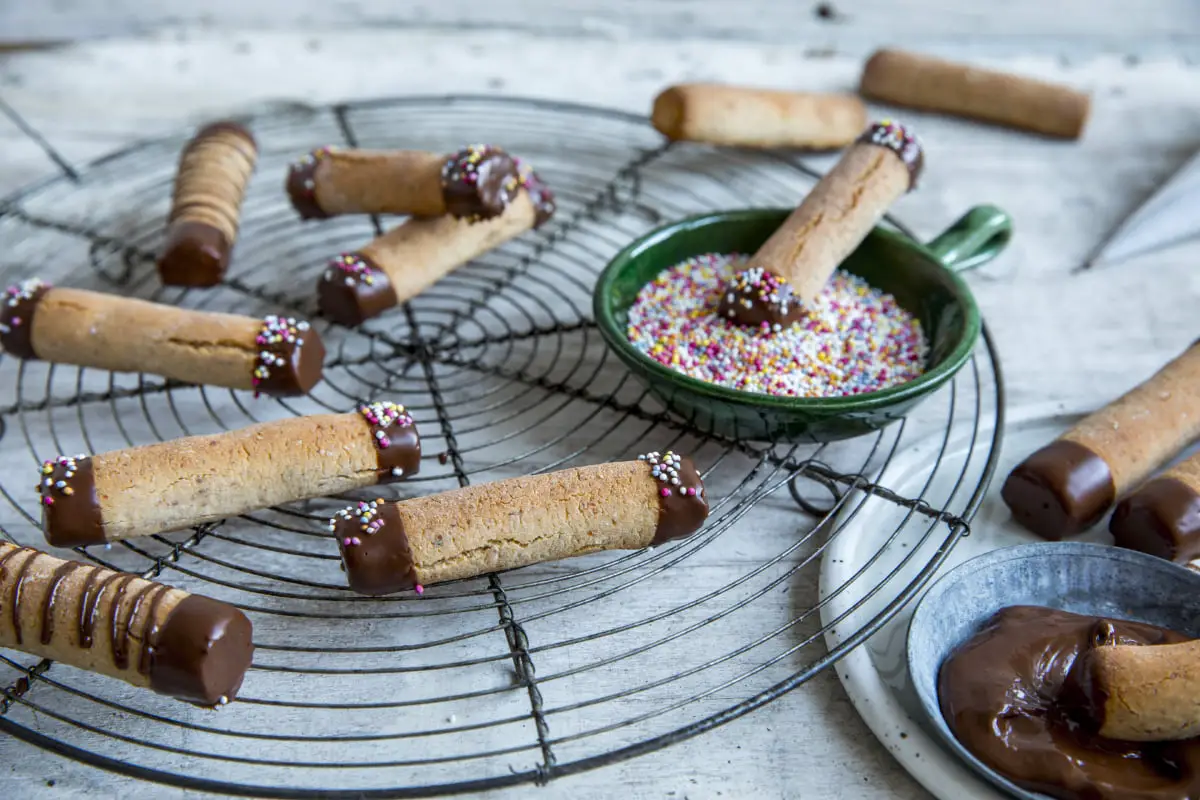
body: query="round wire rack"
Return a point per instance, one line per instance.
(511, 678)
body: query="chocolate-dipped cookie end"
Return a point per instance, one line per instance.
(195, 255)
(71, 514)
(352, 290)
(301, 184)
(901, 141)
(201, 652)
(291, 357)
(682, 500)
(1060, 490)
(396, 440)
(479, 182)
(375, 549)
(17, 307)
(1162, 518)
(761, 299)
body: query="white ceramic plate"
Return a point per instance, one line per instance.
(874, 675)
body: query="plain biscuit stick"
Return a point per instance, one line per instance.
(794, 265)
(1162, 516)
(184, 482)
(278, 356)
(916, 81)
(178, 644)
(214, 170)
(392, 547)
(476, 183)
(740, 116)
(1068, 485)
(406, 260)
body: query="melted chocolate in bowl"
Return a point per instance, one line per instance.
(1008, 696)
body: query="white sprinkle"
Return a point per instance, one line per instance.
(397, 471)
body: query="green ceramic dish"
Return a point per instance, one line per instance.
(922, 278)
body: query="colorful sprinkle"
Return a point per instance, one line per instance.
(353, 269)
(67, 466)
(853, 340)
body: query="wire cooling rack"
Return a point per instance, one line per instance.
(514, 678)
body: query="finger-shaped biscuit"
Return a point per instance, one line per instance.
(476, 183)
(278, 356)
(183, 645)
(391, 547)
(214, 170)
(184, 482)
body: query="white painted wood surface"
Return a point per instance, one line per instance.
(1076, 339)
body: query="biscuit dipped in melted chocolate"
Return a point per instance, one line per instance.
(1011, 698)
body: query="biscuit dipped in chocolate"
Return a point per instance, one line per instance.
(475, 183)
(794, 264)
(180, 483)
(394, 547)
(400, 264)
(183, 645)
(278, 356)
(210, 186)
(1011, 697)
(1162, 516)
(1069, 485)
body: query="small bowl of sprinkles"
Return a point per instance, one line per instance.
(893, 324)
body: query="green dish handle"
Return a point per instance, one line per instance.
(976, 238)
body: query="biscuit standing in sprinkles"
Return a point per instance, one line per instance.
(792, 267)
(182, 645)
(852, 340)
(278, 356)
(476, 183)
(394, 547)
(184, 482)
(406, 260)
(214, 170)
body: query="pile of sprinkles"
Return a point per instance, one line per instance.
(368, 518)
(382, 416)
(851, 340)
(278, 338)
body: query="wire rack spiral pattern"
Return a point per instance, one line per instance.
(504, 679)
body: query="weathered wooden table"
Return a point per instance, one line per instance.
(1072, 338)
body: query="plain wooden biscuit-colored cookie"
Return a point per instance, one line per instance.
(183, 645)
(184, 482)
(738, 116)
(391, 547)
(917, 81)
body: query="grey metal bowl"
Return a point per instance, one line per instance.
(1073, 576)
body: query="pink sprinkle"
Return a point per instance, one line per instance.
(665, 492)
(385, 442)
(420, 589)
(48, 501)
(355, 540)
(347, 541)
(16, 320)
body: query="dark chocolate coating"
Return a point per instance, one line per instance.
(1161, 518)
(353, 303)
(201, 652)
(403, 452)
(479, 182)
(1062, 489)
(72, 520)
(782, 312)
(194, 255)
(1011, 696)
(897, 139)
(301, 186)
(16, 320)
(680, 514)
(382, 563)
(303, 368)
